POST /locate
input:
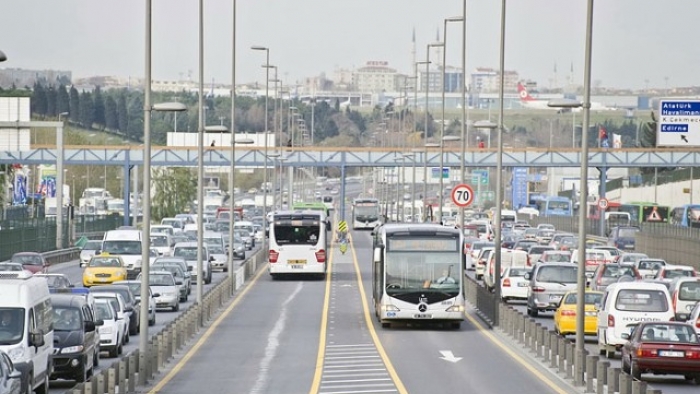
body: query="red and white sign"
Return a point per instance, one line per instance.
(603, 203)
(462, 195)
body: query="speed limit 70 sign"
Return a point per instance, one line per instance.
(462, 195)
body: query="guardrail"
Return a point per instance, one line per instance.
(598, 376)
(62, 255)
(135, 369)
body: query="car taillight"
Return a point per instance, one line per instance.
(674, 298)
(697, 323)
(568, 313)
(506, 282)
(273, 255)
(538, 289)
(321, 256)
(694, 354)
(599, 281)
(646, 352)
(529, 264)
(611, 321)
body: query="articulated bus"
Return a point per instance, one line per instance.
(417, 274)
(687, 215)
(366, 213)
(556, 206)
(646, 212)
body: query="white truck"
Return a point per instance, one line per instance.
(127, 245)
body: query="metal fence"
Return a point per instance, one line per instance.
(39, 234)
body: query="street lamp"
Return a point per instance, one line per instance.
(2, 56)
(483, 125)
(232, 202)
(425, 177)
(445, 138)
(273, 156)
(267, 94)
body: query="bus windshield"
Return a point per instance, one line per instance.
(408, 272)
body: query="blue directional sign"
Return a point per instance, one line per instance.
(679, 123)
(435, 173)
(519, 187)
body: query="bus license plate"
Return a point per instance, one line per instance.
(297, 266)
(296, 262)
(422, 316)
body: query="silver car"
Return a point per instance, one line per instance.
(548, 284)
(163, 283)
(89, 249)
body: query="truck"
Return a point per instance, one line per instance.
(51, 203)
(93, 201)
(260, 200)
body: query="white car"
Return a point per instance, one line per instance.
(118, 303)
(111, 331)
(513, 283)
(220, 259)
(135, 287)
(89, 249)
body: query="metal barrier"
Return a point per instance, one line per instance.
(61, 256)
(134, 369)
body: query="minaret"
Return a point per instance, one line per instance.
(556, 82)
(413, 57)
(571, 76)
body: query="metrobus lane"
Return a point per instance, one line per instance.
(264, 341)
(430, 358)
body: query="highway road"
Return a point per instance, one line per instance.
(74, 272)
(304, 335)
(669, 384)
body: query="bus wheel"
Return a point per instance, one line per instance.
(456, 325)
(386, 325)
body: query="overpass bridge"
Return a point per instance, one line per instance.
(352, 157)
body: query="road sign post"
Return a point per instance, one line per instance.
(462, 195)
(603, 203)
(679, 123)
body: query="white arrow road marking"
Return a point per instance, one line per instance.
(448, 356)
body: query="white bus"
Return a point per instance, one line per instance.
(417, 274)
(297, 244)
(366, 213)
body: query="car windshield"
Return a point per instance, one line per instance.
(57, 281)
(11, 267)
(678, 273)
(689, 291)
(519, 271)
(627, 232)
(215, 249)
(122, 247)
(26, 259)
(104, 262)
(66, 319)
(557, 274)
(93, 245)
(588, 299)
(11, 325)
(161, 280)
(188, 253)
(159, 241)
(173, 269)
(104, 311)
(673, 333)
(636, 300)
(616, 271)
(557, 257)
(650, 264)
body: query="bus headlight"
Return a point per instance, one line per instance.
(390, 308)
(455, 308)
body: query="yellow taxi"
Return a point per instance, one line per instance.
(104, 269)
(565, 315)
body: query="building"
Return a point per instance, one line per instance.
(20, 77)
(375, 77)
(488, 80)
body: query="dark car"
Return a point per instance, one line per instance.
(10, 377)
(132, 304)
(609, 273)
(31, 261)
(662, 348)
(622, 237)
(76, 340)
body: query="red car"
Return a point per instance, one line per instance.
(662, 348)
(31, 261)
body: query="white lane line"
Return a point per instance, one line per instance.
(356, 380)
(368, 345)
(358, 392)
(376, 364)
(352, 357)
(273, 343)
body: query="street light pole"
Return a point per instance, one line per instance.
(463, 131)
(581, 277)
(200, 164)
(499, 164)
(232, 175)
(267, 94)
(427, 98)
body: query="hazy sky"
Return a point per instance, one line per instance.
(634, 40)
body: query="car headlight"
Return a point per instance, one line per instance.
(105, 330)
(16, 354)
(72, 349)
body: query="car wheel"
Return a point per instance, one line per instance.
(532, 312)
(114, 352)
(634, 370)
(152, 322)
(44, 387)
(625, 365)
(82, 374)
(127, 337)
(610, 353)
(120, 349)
(176, 307)
(96, 358)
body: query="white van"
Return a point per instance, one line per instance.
(509, 258)
(625, 304)
(26, 328)
(594, 258)
(162, 243)
(298, 244)
(127, 245)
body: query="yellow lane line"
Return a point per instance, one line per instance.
(316, 383)
(514, 356)
(368, 320)
(181, 364)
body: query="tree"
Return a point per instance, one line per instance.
(174, 189)
(62, 100)
(99, 105)
(38, 104)
(87, 110)
(135, 128)
(110, 110)
(74, 105)
(122, 113)
(51, 109)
